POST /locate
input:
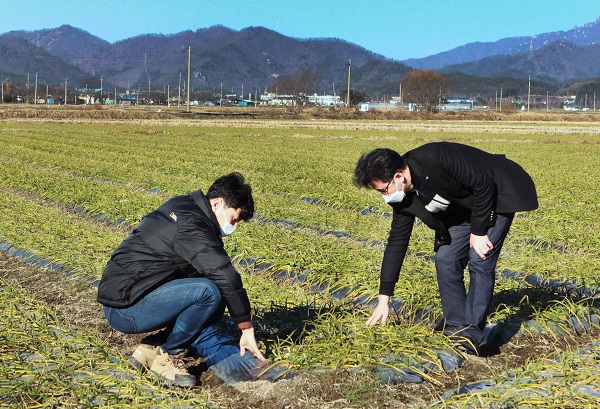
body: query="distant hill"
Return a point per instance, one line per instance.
(559, 62)
(73, 45)
(251, 60)
(253, 57)
(586, 35)
(20, 58)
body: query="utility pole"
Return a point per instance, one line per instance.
(528, 92)
(35, 91)
(66, 82)
(400, 100)
(189, 76)
(547, 100)
(334, 98)
(348, 93)
(500, 99)
(168, 97)
(221, 96)
(179, 97)
(101, 90)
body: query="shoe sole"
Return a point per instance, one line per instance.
(136, 364)
(183, 384)
(466, 349)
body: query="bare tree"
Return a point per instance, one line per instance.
(425, 87)
(356, 97)
(295, 84)
(9, 91)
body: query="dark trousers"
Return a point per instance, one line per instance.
(465, 311)
(187, 306)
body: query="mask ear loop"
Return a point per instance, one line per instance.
(222, 209)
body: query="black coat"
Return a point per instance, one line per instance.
(473, 180)
(180, 239)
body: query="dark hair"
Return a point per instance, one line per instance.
(379, 164)
(235, 193)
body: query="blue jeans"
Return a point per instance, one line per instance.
(186, 306)
(186, 310)
(465, 312)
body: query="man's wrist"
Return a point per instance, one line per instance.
(245, 325)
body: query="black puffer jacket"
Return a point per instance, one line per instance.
(180, 239)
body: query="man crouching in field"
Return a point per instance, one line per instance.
(173, 272)
(469, 198)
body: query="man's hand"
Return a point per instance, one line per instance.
(248, 341)
(481, 244)
(381, 311)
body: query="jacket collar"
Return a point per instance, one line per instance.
(416, 171)
(204, 204)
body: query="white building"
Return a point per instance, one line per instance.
(271, 98)
(325, 100)
(458, 104)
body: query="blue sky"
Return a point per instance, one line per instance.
(396, 29)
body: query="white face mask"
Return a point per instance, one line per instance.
(227, 228)
(395, 197)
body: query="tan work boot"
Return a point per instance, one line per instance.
(171, 368)
(143, 356)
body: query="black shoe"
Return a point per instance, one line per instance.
(467, 346)
(440, 324)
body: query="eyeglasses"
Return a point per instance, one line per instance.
(385, 190)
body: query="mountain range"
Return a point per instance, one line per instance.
(586, 35)
(253, 59)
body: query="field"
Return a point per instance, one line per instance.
(71, 189)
